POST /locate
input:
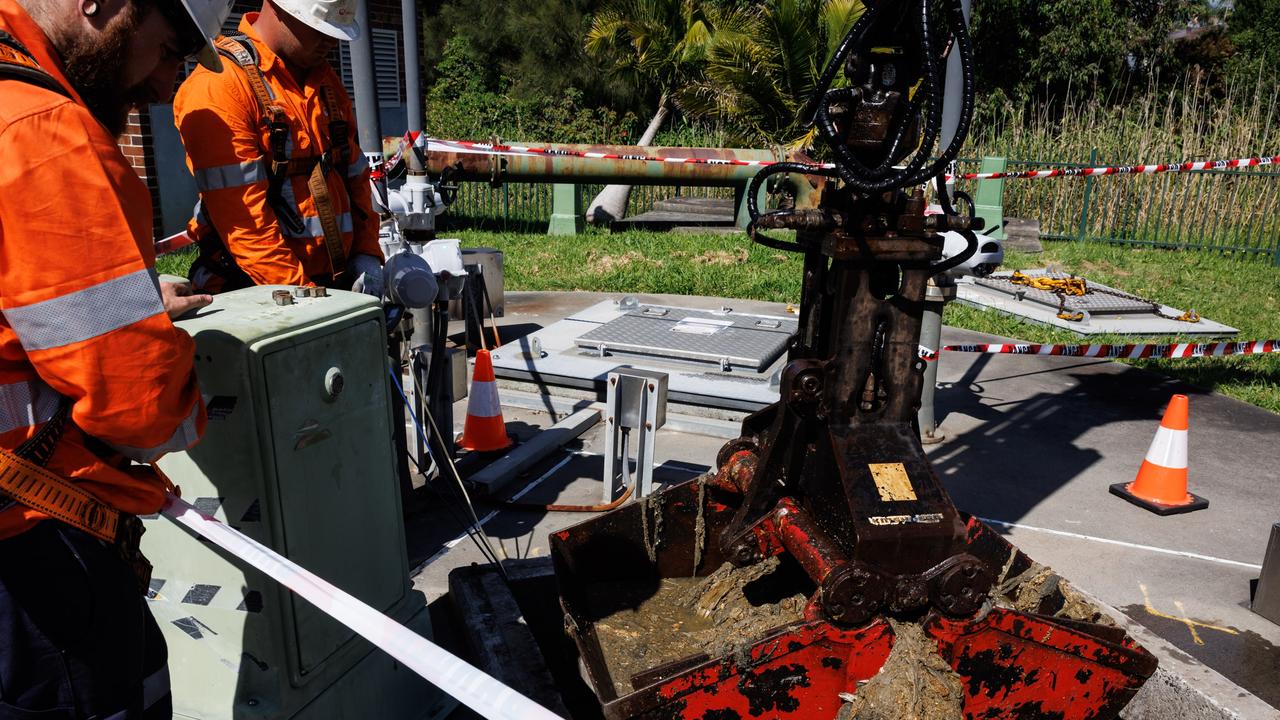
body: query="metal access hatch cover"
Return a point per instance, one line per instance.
(725, 339)
(1099, 300)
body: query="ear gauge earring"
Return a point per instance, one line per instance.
(89, 9)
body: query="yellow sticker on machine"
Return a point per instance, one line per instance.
(892, 482)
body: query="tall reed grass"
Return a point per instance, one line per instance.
(1196, 120)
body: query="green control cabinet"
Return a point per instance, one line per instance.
(299, 455)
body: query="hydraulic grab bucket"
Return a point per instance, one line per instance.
(634, 582)
(822, 571)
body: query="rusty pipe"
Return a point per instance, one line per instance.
(538, 168)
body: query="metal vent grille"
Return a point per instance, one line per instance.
(386, 66)
(728, 340)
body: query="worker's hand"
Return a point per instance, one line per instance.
(368, 272)
(179, 299)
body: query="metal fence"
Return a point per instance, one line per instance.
(1235, 211)
(1230, 211)
(527, 207)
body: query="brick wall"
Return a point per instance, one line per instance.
(136, 145)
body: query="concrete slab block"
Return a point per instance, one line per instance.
(496, 476)
(1022, 234)
(1183, 687)
(551, 356)
(500, 641)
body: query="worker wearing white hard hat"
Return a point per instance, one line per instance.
(284, 187)
(335, 18)
(96, 382)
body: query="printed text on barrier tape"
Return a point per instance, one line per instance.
(478, 691)
(1128, 352)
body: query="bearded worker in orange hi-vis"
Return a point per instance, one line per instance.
(284, 189)
(96, 382)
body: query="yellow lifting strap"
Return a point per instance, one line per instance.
(1065, 286)
(57, 497)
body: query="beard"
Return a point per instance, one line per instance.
(94, 67)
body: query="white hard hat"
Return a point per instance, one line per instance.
(335, 18)
(208, 16)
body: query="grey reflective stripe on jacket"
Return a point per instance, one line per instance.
(26, 403)
(231, 176)
(358, 166)
(315, 229)
(181, 439)
(86, 314)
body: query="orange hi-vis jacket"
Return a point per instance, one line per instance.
(82, 313)
(228, 151)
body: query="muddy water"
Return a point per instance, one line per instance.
(673, 618)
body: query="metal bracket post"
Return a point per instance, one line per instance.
(439, 389)
(1266, 590)
(636, 400)
(940, 291)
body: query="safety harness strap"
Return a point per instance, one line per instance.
(17, 63)
(239, 49)
(319, 186)
(318, 183)
(57, 497)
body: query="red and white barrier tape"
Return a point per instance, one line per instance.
(1129, 352)
(181, 240)
(174, 242)
(477, 148)
(1127, 169)
(478, 691)
(467, 146)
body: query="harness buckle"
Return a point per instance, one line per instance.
(128, 545)
(278, 139)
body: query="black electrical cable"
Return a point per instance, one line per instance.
(473, 531)
(879, 179)
(970, 250)
(960, 31)
(944, 200)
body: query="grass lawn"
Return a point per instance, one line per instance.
(1239, 292)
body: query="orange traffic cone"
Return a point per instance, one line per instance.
(484, 430)
(1161, 485)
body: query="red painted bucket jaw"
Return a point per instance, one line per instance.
(1016, 665)
(1011, 664)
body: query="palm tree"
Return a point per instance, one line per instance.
(756, 80)
(659, 47)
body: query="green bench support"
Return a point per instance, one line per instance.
(988, 198)
(566, 210)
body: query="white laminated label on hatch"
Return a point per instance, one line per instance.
(700, 326)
